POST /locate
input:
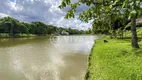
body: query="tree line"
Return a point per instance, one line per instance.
(12, 27)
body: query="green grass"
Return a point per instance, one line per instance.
(115, 60)
(6, 35)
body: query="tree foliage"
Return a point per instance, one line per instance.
(105, 12)
(13, 27)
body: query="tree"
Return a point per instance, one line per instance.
(10, 25)
(39, 28)
(14, 27)
(107, 11)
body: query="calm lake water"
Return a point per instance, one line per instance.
(43, 58)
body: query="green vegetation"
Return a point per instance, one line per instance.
(10, 27)
(6, 35)
(114, 60)
(108, 14)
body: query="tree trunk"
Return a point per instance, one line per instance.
(11, 30)
(122, 34)
(134, 42)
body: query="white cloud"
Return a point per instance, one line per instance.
(46, 11)
(3, 15)
(15, 6)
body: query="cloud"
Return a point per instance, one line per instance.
(46, 11)
(3, 15)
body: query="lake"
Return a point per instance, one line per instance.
(44, 58)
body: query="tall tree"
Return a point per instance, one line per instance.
(107, 11)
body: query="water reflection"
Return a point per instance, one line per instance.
(41, 59)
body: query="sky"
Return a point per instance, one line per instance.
(46, 11)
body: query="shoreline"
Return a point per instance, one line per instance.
(37, 35)
(21, 35)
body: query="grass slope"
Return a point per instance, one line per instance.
(115, 60)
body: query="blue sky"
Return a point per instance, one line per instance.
(46, 11)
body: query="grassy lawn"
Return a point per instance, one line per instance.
(115, 60)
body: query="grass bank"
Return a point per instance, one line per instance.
(115, 60)
(6, 35)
